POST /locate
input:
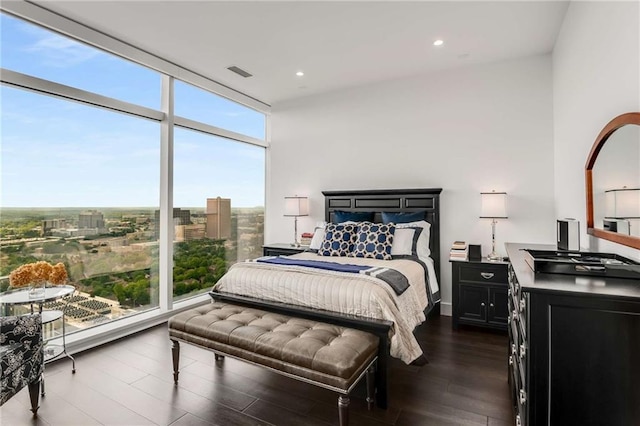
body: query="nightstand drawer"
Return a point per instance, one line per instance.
(483, 273)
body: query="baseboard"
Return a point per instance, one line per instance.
(446, 309)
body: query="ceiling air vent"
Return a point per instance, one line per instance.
(239, 71)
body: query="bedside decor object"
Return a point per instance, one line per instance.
(475, 252)
(36, 275)
(296, 206)
(494, 206)
(459, 251)
(568, 231)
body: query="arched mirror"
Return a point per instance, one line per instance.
(612, 177)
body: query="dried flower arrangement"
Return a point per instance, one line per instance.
(38, 272)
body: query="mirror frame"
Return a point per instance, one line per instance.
(630, 118)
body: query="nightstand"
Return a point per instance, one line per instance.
(480, 293)
(281, 249)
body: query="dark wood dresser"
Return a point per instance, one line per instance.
(574, 346)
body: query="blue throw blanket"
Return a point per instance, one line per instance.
(395, 279)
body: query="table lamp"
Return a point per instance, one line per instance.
(623, 203)
(494, 206)
(296, 206)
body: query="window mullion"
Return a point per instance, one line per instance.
(166, 197)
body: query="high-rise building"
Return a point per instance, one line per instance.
(218, 218)
(180, 217)
(49, 224)
(91, 219)
(189, 232)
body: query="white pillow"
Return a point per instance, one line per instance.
(405, 241)
(318, 236)
(422, 247)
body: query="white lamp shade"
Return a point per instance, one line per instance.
(622, 203)
(494, 205)
(296, 206)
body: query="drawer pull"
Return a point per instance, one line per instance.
(509, 292)
(510, 360)
(523, 304)
(513, 349)
(482, 304)
(487, 275)
(523, 350)
(518, 422)
(523, 397)
(491, 305)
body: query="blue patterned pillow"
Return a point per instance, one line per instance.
(338, 240)
(374, 240)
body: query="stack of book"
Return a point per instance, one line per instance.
(459, 251)
(305, 238)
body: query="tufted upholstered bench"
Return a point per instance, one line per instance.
(325, 355)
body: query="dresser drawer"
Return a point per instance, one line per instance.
(483, 273)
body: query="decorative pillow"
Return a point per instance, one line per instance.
(341, 216)
(405, 242)
(374, 240)
(422, 246)
(403, 217)
(318, 236)
(338, 240)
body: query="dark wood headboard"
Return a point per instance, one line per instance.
(391, 200)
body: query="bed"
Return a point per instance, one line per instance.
(352, 300)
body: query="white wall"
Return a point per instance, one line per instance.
(466, 131)
(596, 76)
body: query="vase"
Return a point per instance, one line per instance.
(36, 289)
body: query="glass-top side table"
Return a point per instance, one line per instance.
(21, 297)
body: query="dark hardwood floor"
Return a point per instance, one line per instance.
(129, 382)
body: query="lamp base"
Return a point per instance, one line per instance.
(494, 257)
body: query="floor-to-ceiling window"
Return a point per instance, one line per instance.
(218, 188)
(82, 172)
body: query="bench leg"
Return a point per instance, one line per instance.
(34, 396)
(218, 357)
(343, 409)
(371, 386)
(175, 352)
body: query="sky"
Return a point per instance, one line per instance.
(57, 153)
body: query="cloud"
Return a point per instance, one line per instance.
(61, 52)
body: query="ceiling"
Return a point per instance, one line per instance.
(336, 44)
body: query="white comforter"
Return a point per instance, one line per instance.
(347, 293)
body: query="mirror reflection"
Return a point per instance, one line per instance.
(616, 183)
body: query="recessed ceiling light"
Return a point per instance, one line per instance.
(299, 73)
(438, 43)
